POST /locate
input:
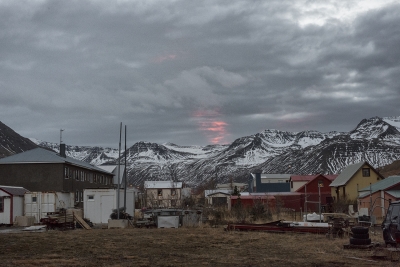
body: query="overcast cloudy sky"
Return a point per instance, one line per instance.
(195, 72)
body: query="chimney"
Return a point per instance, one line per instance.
(62, 151)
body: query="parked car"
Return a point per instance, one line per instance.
(391, 225)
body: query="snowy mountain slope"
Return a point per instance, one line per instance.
(376, 140)
(12, 143)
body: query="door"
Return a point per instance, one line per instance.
(106, 207)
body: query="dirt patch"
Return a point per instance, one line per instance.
(202, 246)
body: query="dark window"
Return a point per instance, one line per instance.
(81, 196)
(66, 173)
(77, 196)
(1, 204)
(365, 172)
(320, 183)
(173, 192)
(34, 199)
(159, 192)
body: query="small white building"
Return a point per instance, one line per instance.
(38, 204)
(11, 203)
(163, 194)
(99, 203)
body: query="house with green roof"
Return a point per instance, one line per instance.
(376, 197)
(42, 170)
(352, 179)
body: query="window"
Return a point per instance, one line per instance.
(77, 196)
(159, 192)
(365, 172)
(1, 204)
(76, 175)
(66, 172)
(81, 196)
(90, 197)
(320, 183)
(34, 199)
(173, 192)
(91, 177)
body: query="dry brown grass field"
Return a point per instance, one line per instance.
(202, 246)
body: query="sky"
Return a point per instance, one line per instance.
(195, 72)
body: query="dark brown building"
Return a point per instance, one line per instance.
(43, 170)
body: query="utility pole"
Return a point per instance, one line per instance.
(119, 168)
(319, 200)
(125, 175)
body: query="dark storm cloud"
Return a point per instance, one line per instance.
(194, 72)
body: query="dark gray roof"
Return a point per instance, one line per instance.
(14, 190)
(381, 185)
(346, 174)
(41, 155)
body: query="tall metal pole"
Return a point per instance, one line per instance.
(125, 175)
(319, 201)
(119, 168)
(305, 202)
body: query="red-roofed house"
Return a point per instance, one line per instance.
(297, 181)
(315, 188)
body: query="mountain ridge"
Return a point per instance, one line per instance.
(376, 140)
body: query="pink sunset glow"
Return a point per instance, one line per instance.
(161, 59)
(211, 125)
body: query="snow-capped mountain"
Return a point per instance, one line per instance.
(376, 140)
(12, 143)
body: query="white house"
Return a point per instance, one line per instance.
(11, 203)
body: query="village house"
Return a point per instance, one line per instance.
(376, 197)
(11, 203)
(42, 170)
(259, 182)
(317, 191)
(352, 179)
(163, 194)
(297, 181)
(231, 186)
(115, 171)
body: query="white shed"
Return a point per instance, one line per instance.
(11, 203)
(99, 203)
(38, 204)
